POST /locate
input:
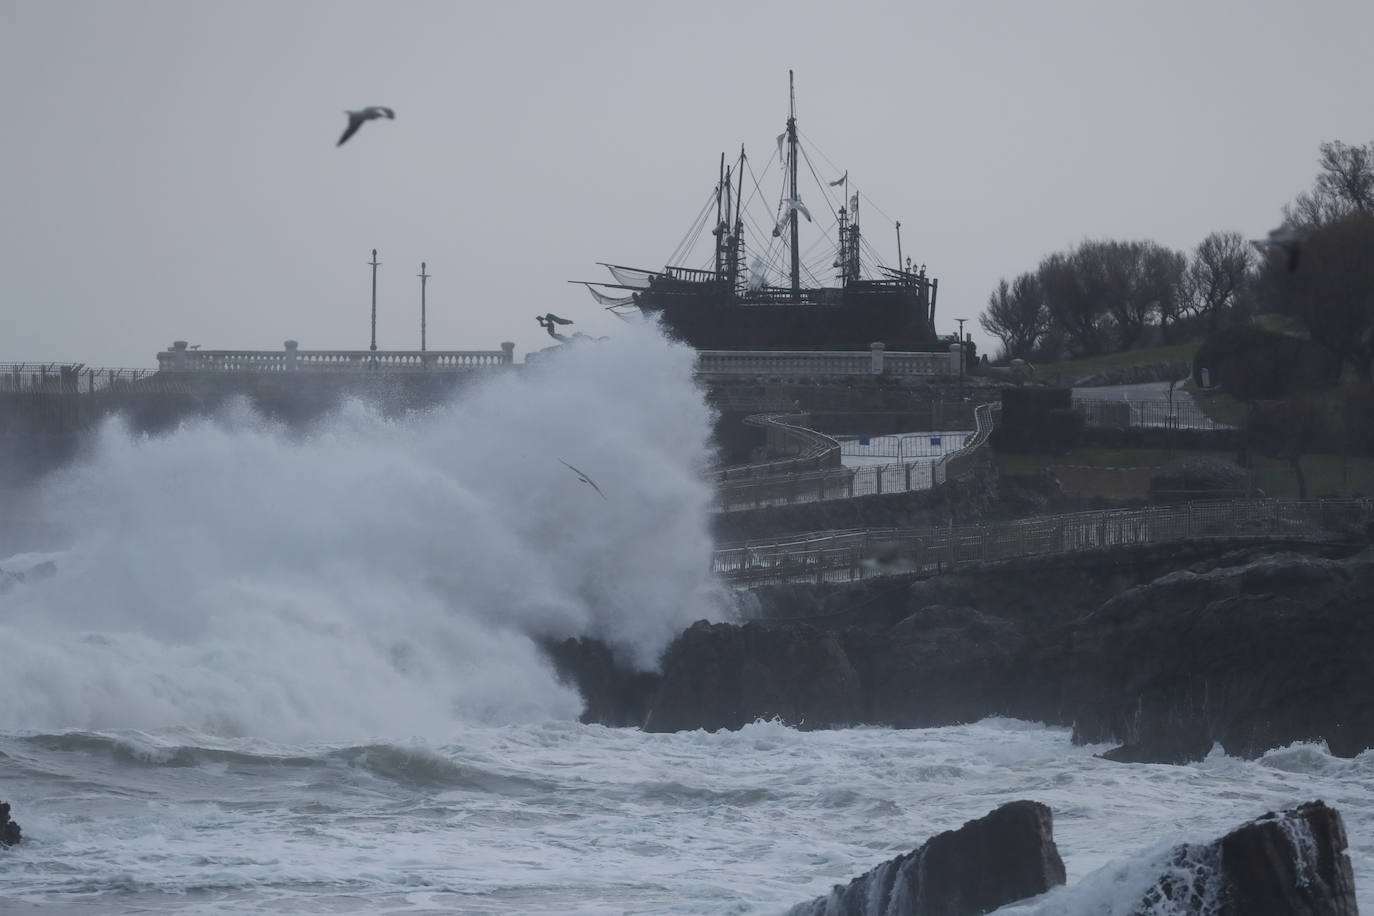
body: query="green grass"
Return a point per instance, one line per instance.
(1125, 473)
(1174, 353)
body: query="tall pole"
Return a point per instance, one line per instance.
(961, 356)
(899, 244)
(423, 277)
(374, 262)
(792, 170)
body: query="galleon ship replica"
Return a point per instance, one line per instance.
(766, 293)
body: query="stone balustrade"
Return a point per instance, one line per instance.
(878, 361)
(180, 358)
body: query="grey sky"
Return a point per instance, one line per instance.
(168, 169)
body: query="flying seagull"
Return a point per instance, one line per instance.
(1286, 238)
(356, 119)
(583, 477)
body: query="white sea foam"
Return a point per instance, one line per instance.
(372, 576)
(565, 818)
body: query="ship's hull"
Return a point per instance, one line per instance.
(709, 316)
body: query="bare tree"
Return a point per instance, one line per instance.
(1109, 293)
(1221, 265)
(1344, 185)
(1073, 297)
(1017, 316)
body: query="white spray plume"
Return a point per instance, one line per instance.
(373, 577)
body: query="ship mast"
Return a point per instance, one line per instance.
(792, 169)
(734, 252)
(722, 192)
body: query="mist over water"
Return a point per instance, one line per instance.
(371, 577)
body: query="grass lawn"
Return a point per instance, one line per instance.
(1125, 473)
(1175, 353)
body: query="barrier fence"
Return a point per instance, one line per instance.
(1180, 414)
(850, 555)
(65, 378)
(733, 494)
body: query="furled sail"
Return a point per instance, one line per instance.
(610, 301)
(630, 276)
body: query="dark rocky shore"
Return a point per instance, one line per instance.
(1162, 650)
(1281, 864)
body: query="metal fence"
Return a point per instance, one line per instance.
(849, 555)
(843, 483)
(1179, 414)
(904, 446)
(65, 378)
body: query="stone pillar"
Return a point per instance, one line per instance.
(508, 348)
(178, 356)
(956, 358)
(291, 347)
(877, 349)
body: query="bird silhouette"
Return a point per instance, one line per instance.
(356, 119)
(583, 477)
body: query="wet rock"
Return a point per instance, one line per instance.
(1006, 856)
(9, 830)
(613, 693)
(725, 676)
(1292, 863)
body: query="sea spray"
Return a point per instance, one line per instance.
(371, 576)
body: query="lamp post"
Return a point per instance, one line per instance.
(423, 277)
(961, 356)
(374, 262)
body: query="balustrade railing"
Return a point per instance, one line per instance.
(181, 358)
(849, 555)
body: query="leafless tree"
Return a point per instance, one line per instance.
(1344, 185)
(1221, 265)
(1109, 292)
(1075, 301)
(1017, 316)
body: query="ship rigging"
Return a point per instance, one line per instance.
(769, 295)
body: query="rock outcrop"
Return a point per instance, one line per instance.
(1292, 863)
(1164, 652)
(9, 830)
(730, 676)
(1008, 855)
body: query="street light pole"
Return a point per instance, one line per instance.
(423, 277)
(961, 356)
(375, 263)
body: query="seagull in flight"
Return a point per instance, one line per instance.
(583, 477)
(356, 119)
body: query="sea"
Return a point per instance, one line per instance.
(259, 669)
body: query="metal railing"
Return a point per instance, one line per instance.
(812, 451)
(181, 358)
(759, 492)
(65, 378)
(850, 555)
(1180, 414)
(876, 361)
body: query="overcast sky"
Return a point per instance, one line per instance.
(168, 169)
